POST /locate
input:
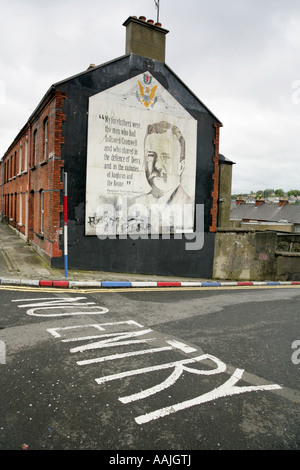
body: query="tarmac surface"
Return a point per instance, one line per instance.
(20, 264)
(18, 260)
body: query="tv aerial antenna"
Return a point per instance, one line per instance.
(157, 7)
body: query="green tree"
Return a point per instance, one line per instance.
(268, 192)
(293, 192)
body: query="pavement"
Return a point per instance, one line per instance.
(20, 264)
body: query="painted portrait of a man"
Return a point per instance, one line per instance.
(164, 162)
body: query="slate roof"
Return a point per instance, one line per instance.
(267, 212)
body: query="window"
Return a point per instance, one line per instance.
(34, 162)
(45, 139)
(20, 160)
(42, 211)
(15, 164)
(25, 156)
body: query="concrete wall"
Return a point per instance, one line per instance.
(288, 257)
(288, 266)
(256, 256)
(241, 255)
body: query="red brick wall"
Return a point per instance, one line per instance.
(26, 186)
(15, 182)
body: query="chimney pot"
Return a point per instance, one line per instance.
(150, 21)
(158, 24)
(142, 18)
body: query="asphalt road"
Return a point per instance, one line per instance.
(170, 370)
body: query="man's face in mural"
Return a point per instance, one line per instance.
(162, 160)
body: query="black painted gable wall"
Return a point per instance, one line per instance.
(163, 256)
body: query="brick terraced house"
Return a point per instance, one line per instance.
(31, 178)
(96, 127)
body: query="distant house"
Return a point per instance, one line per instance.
(282, 217)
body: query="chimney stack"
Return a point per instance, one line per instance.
(259, 202)
(239, 201)
(145, 38)
(283, 201)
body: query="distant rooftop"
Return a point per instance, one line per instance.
(267, 212)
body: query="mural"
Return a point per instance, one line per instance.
(141, 161)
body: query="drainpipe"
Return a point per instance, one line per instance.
(66, 223)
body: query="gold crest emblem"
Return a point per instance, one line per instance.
(146, 94)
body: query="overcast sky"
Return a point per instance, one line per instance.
(241, 58)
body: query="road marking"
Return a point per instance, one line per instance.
(88, 312)
(125, 338)
(60, 303)
(2, 352)
(221, 367)
(226, 389)
(179, 369)
(114, 340)
(122, 355)
(51, 300)
(54, 331)
(183, 347)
